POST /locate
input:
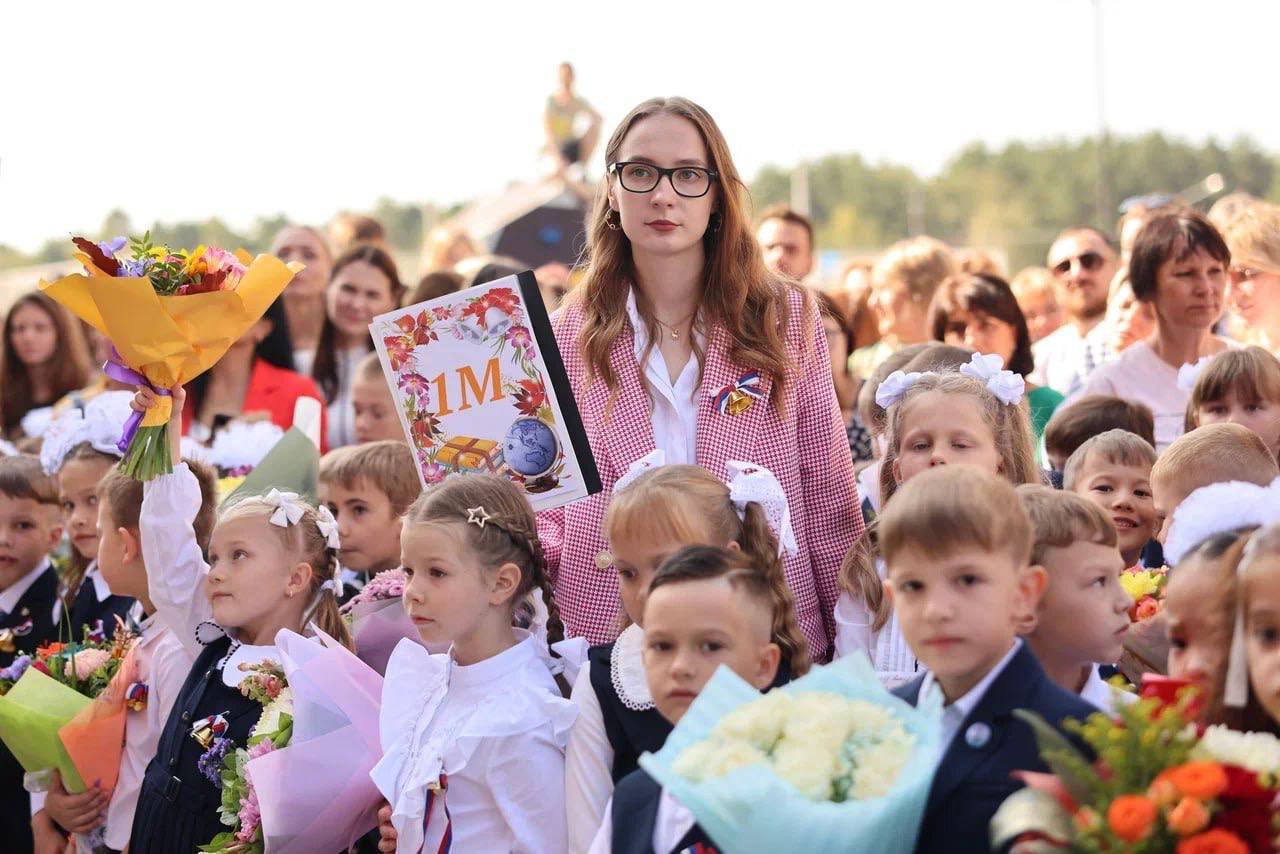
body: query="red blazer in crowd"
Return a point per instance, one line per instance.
(808, 451)
(274, 391)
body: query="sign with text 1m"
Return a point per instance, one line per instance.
(481, 389)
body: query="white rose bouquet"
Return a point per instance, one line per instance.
(831, 762)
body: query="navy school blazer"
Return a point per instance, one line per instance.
(973, 778)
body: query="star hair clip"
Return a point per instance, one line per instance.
(478, 516)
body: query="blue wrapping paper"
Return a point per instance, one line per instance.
(752, 809)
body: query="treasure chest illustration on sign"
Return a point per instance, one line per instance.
(480, 388)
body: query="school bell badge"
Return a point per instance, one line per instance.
(6, 641)
(737, 398)
(205, 730)
(135, 697)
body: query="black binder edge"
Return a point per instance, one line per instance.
(550, 350)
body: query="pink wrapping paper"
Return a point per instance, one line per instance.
(315, 794)
(377, 627)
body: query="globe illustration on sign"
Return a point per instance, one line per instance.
(530, 447)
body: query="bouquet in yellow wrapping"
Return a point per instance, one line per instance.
(170, 315)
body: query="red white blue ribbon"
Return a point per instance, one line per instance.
(437, 827)
(749, 384)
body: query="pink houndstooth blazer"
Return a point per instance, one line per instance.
(807, 450)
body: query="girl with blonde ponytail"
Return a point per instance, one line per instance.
(656, 511)
(271, 567)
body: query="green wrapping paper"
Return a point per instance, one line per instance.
(31, 714)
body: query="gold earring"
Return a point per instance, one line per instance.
(613, 220)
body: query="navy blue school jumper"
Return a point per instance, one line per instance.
(632, 732)
(634, 813)
(87, 610)
(178, 806)
(32, 623)
(972, 780)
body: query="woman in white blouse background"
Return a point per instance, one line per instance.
(1178, 266)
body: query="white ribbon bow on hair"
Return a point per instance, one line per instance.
(328, 527)
(750, 483)
(894, 386)
(288, 506)
(1190, 373)
(1007, 386)
(654, 459)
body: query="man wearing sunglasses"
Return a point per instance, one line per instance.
(1083, 263)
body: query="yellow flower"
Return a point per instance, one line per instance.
(1140, 583)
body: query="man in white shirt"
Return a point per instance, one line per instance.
(1083, 264)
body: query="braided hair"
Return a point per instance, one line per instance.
(504, 531)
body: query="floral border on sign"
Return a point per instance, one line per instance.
(501, 323)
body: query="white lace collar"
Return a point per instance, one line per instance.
(626, 670)
(249, 654)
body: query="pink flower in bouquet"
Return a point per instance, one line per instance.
(87, 661)
(219, 260)
(250, 816)
(433, 472)
(271, 686)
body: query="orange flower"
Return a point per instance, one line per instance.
(50, 649)
(1216, 841)
(1162, 790)
(1203, 780)
(1147, 608)
(1130, 817)
(1188, 817)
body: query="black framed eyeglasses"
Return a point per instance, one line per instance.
(636, 176)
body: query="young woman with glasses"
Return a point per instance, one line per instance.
(679, 339)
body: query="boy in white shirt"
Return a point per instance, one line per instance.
(1083, 615)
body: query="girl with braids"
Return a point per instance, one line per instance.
(473, 739)
(272, 565)
(656, 511)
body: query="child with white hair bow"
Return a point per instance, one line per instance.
(272, 566)
(975, 416)
(656, 510)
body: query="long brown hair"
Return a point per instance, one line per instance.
(324, 368)
(688, 504)
(68, 367)
(739, 293)
(509, 534)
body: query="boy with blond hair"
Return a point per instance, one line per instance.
(368, 488)
(1083, 615)
(1214, 453)
(958, 545)
(1113, 470)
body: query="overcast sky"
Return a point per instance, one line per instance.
(184, 111)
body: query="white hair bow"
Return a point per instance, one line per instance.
(1217, 508)
(1190, 373)
(894, 386)
(100, 424)
(289, 508)
(654, 459)
(328, 527)
(750, 483)
(1007, 386)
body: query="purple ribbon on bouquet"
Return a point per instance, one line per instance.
(116, 369)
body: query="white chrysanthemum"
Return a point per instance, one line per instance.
(809, 767)
(879, 765)
(1254, 751)
(271, 712)
(707, 760)
(759, 723)
(827, 746)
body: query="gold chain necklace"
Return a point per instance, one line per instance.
(675, 330)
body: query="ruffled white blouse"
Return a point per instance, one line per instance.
(893, 660)
(497, 728)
